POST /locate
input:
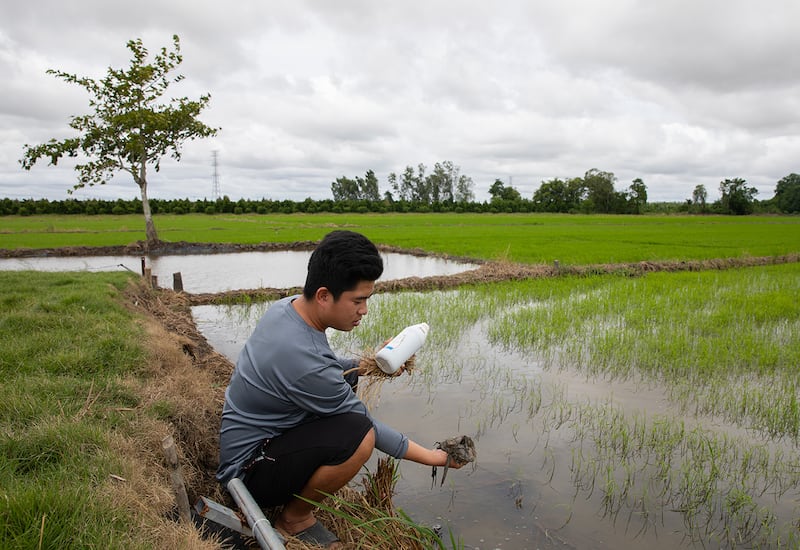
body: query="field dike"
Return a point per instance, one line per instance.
(197, 394)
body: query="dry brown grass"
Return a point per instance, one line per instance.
(366, 518)
(373, 378)
(180, 389)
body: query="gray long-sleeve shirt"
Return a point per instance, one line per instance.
(286, 375)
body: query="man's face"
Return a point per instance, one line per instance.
(346, 312)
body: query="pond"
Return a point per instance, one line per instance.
(203, 273)
(521, 494)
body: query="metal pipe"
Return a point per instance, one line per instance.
(267, 537)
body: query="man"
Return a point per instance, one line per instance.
(292, 425)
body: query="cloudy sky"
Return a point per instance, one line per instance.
(678, 93)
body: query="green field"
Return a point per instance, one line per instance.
(527, 238)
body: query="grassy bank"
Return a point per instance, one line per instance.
(83, 408)
(55, 381)
(528, 238)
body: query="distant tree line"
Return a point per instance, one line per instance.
(445, 189)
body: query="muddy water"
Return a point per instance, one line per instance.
(231, 271)
(519, 495)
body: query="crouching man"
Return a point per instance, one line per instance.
(292, 426)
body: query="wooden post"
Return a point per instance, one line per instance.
(177, 282)
(176, 476)
(148, 276)
(154, 281)
(143, 266)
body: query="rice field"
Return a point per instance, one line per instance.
(668, 402)
(659, 410)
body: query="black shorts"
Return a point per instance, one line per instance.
(282, 466)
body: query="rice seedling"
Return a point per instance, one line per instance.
(720, 341)
(721, 485)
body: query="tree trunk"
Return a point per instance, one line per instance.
(149, 227)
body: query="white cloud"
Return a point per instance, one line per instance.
(678, 93)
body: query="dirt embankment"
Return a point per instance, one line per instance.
(493, 272)
(487, 272)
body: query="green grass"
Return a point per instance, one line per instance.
(63, 339)
(529, 238)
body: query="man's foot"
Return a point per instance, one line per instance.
(309, 530)
(319, 535)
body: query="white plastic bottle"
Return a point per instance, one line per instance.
(392, 356)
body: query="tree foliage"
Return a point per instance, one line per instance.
(347, 189)
(129, 128)
(637, 196)
(557, 195)
(600, 194)
(699, 198)
(736, 197)
(501, 192)
(445, 185)
(787, 194)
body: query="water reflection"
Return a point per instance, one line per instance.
(233, 271)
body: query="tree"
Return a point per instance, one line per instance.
(499, 191)
(130, 127)
(787, 194)
(344, 189)
(637, 195)
(699, 196)
(557, 195)
(409, 187)
(736, 197)
(463, 191)
(366, 188)
(446, 184)
(600, 190)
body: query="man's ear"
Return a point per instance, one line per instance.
(323, 295)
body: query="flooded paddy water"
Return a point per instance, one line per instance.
(519, 495)
(565, 459)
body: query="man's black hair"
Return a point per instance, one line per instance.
(340, 261)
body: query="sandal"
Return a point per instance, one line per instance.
(317, 534)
